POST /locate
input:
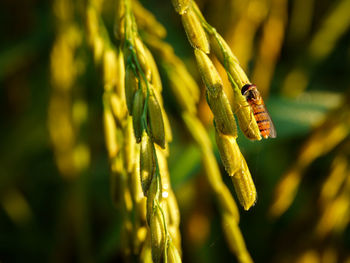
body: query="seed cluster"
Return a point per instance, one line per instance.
(204, 39)
(137, 133)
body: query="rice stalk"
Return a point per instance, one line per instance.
(216, 96)
(151, 129)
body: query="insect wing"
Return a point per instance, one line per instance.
(273, 133)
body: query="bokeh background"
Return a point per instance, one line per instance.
(55, 203)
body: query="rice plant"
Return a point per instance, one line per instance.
(175, 131)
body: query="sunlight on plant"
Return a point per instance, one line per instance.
(175, 131)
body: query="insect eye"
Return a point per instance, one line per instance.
(245, 89)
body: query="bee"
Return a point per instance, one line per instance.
(262, 117)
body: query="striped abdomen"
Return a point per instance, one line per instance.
(262, 119)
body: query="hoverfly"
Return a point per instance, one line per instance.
(262, 117)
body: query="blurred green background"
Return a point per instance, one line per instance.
(298, 52)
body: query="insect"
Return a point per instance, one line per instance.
(262, 117)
